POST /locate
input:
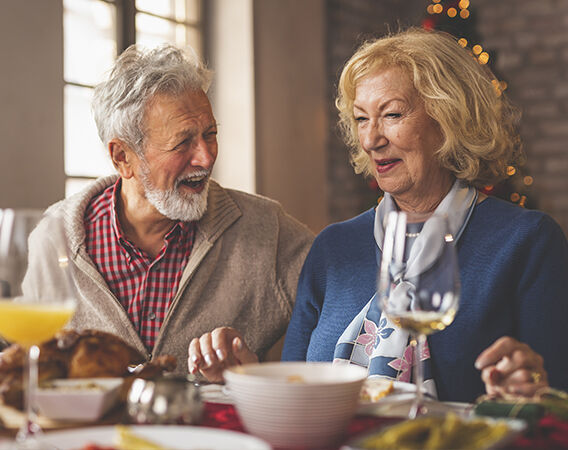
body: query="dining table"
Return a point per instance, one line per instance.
(548, 432)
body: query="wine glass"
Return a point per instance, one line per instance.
(418, 284)
(32, 311)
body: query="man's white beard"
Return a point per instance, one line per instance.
(171, 203)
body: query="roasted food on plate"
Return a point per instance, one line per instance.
(375, 388)
(437, 432)
(98, 354)
(73, 354)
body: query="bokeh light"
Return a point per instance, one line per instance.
(483, 58)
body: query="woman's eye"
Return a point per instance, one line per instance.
(360, 119)
(393, 115)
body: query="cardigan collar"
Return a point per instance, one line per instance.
(222, 211)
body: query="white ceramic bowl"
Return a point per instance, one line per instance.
(296, 404)
(78, 399)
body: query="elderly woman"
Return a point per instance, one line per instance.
(422, 117)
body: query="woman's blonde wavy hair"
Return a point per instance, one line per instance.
(478, 123)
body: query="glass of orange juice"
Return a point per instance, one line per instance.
(37, 294)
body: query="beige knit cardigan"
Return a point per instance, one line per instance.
(242, 271)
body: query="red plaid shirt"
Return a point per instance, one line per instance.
(144, 287)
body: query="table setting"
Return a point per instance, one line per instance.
(57, 391)
(286, 409)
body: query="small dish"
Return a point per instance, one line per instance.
(216, 393)
(77, 399)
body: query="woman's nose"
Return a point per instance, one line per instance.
(373, 137)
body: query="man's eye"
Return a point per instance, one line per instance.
(181, 145)
(210, 136)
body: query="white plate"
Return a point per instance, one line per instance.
(169, 436)
(397, 404)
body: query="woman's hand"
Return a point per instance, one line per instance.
(511, 367)
(214, 352)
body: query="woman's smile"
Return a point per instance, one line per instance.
(385, 165)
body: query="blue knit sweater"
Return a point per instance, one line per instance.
(514, 282)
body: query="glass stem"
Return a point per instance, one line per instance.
(418, 405)
(30, 427)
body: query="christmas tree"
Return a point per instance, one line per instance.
(459, 19)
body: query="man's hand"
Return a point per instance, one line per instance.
(214, 352)
(511, 367)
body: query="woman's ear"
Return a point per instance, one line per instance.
(122, 157)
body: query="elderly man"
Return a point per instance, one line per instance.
(161, 253)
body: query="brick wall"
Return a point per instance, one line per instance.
(530, 41)
(349, 23)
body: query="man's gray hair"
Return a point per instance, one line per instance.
(138, 75)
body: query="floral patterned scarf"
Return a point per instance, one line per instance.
(371, 340)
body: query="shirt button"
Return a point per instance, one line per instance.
(151, 316)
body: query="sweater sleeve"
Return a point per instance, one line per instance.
(43, 276)
(306, 311)
(294, 242)
(543, 303)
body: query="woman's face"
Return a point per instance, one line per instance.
(400, 140)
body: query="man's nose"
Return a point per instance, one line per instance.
(204, 153)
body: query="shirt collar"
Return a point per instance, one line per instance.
(179, 230)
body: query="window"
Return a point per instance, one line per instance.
(95, 31)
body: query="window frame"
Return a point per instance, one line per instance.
(125, 35)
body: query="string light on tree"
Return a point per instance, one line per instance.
(458, 18)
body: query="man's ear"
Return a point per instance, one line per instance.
(122, 157)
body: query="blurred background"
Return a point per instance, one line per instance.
(277, 63)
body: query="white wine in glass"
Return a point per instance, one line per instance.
(32, 312)
(418, 284)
